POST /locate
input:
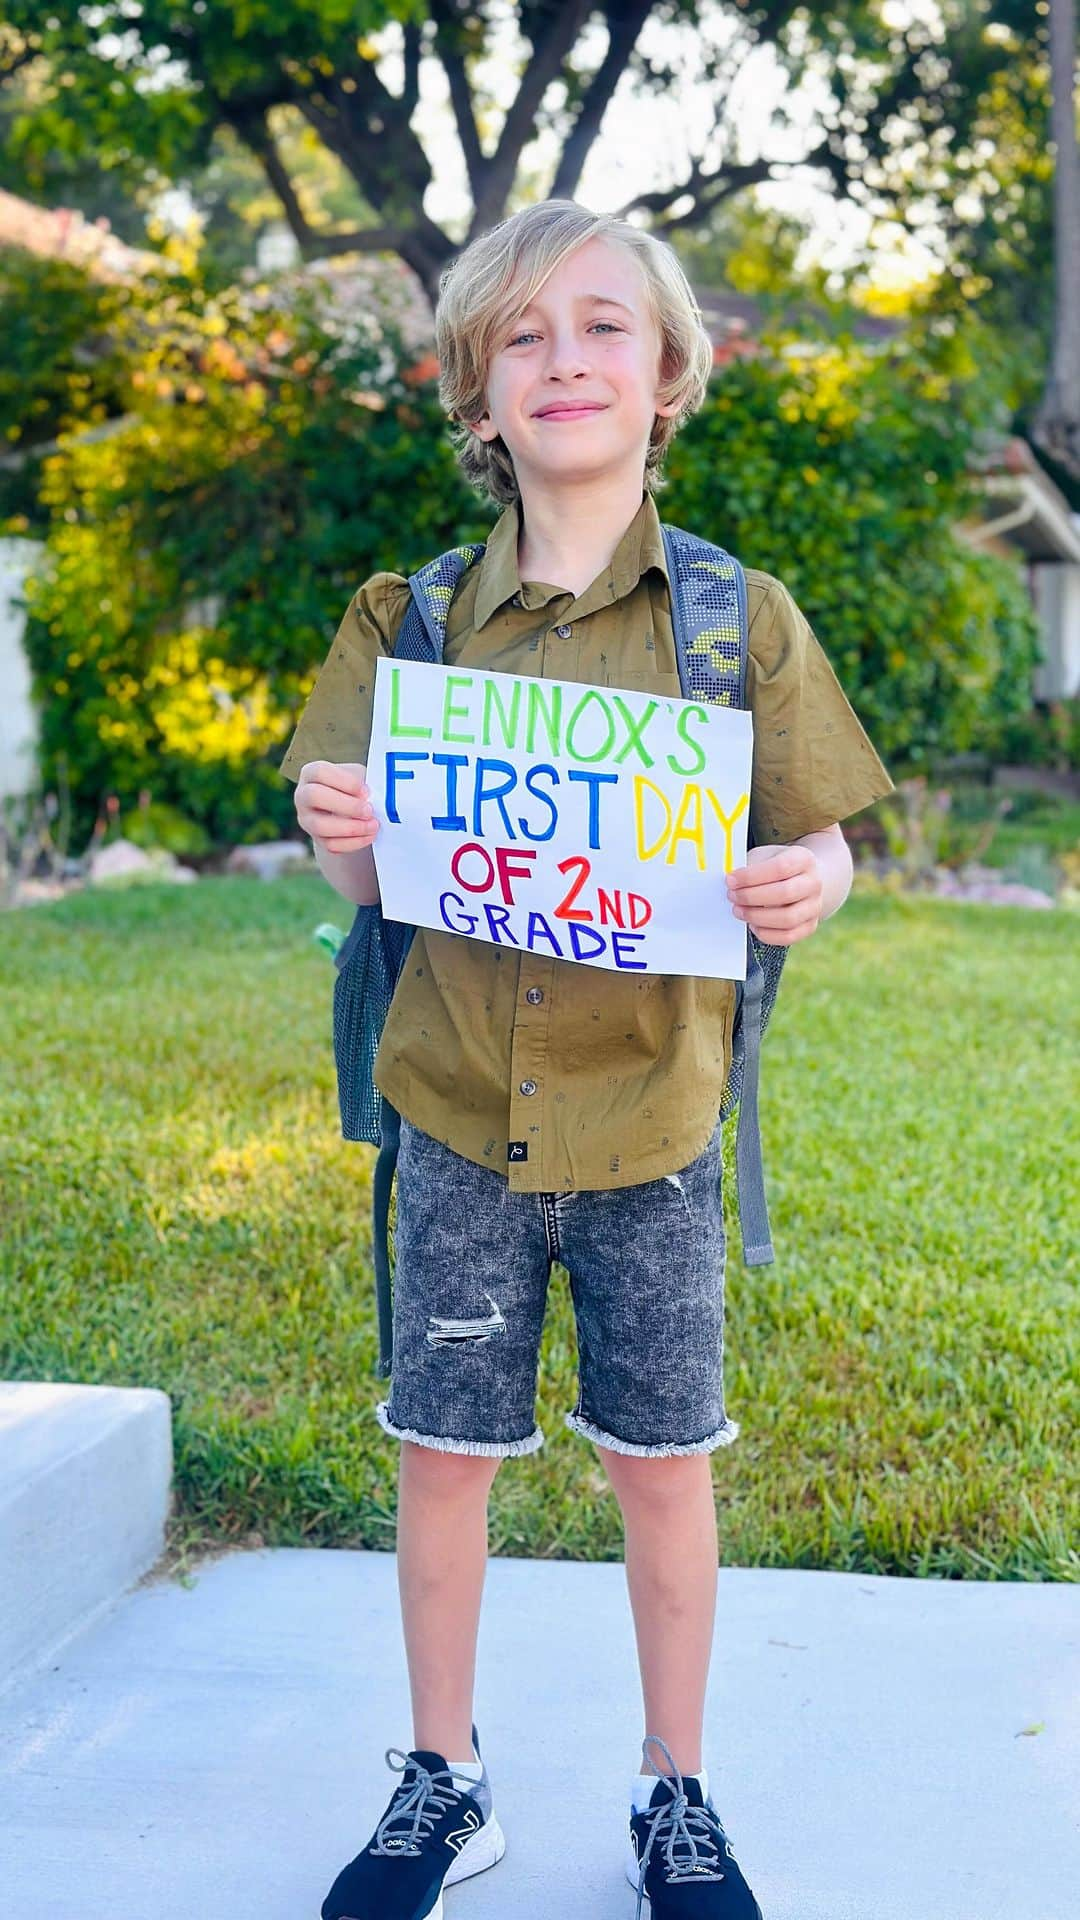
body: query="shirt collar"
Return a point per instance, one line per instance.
(641, 547)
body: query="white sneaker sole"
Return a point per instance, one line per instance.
(633, 1870)
(486, 1846)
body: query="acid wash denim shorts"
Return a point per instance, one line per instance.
(472, 1263)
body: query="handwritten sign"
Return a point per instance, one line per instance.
(583, 823)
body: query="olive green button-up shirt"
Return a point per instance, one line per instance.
(603, 1078)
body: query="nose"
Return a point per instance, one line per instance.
(566, 358)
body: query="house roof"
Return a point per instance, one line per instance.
(1023, 506)
(729, 316)
(62, 233)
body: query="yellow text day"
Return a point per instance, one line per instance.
(663, 823)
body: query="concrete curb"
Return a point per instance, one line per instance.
(85, 1474)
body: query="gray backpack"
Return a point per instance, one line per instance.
(711, 640)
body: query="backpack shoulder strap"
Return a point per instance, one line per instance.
(709, 616)
(422, 633)
(712, 639)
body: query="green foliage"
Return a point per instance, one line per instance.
(107, 88)
(923, 830)
(201, 557)
(844, 471)
(153, 824)
(61, 367)
(1001, 252)
(1048, 735)
(1017, 826)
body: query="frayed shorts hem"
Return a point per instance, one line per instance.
(492, 1449)
(721, 1437)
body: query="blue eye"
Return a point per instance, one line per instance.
(528, 334)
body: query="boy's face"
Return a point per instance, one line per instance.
(571, 385)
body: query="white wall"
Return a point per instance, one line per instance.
(1057, 600)
(18, 722)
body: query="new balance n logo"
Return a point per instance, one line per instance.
(472, 1825)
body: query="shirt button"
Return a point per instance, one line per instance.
(527, 1086)
(564, 632)
(534, 996)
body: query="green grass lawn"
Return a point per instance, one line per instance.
(179, 1211)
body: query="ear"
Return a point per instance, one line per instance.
(484, 428)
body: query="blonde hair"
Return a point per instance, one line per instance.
(496, 278)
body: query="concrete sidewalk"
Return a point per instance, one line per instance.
(216, 1752)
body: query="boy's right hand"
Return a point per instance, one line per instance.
(333, 805)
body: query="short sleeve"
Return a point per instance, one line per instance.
(336, 721)
(813, 762)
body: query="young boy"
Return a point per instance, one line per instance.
(571, 348)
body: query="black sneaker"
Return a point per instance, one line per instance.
(680, 1858)
(433, 1832)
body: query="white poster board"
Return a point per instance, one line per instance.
(583, 823)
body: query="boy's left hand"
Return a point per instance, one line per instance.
(778, 893)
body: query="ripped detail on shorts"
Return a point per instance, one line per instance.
(452, 1333)
(676, 1180)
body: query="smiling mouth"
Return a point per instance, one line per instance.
(568, 413)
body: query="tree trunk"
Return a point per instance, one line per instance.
(1057, 425)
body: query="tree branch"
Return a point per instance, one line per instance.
(733, 180)
(448, 48)
(410, 92)
(624, 25)
(361, 240)
(708, 190)
(563, 25)
(381, 168)
(254, 131)
(355, 124)
(697, 184)
(313, 242)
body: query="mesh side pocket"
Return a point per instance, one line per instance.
(367, 970)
